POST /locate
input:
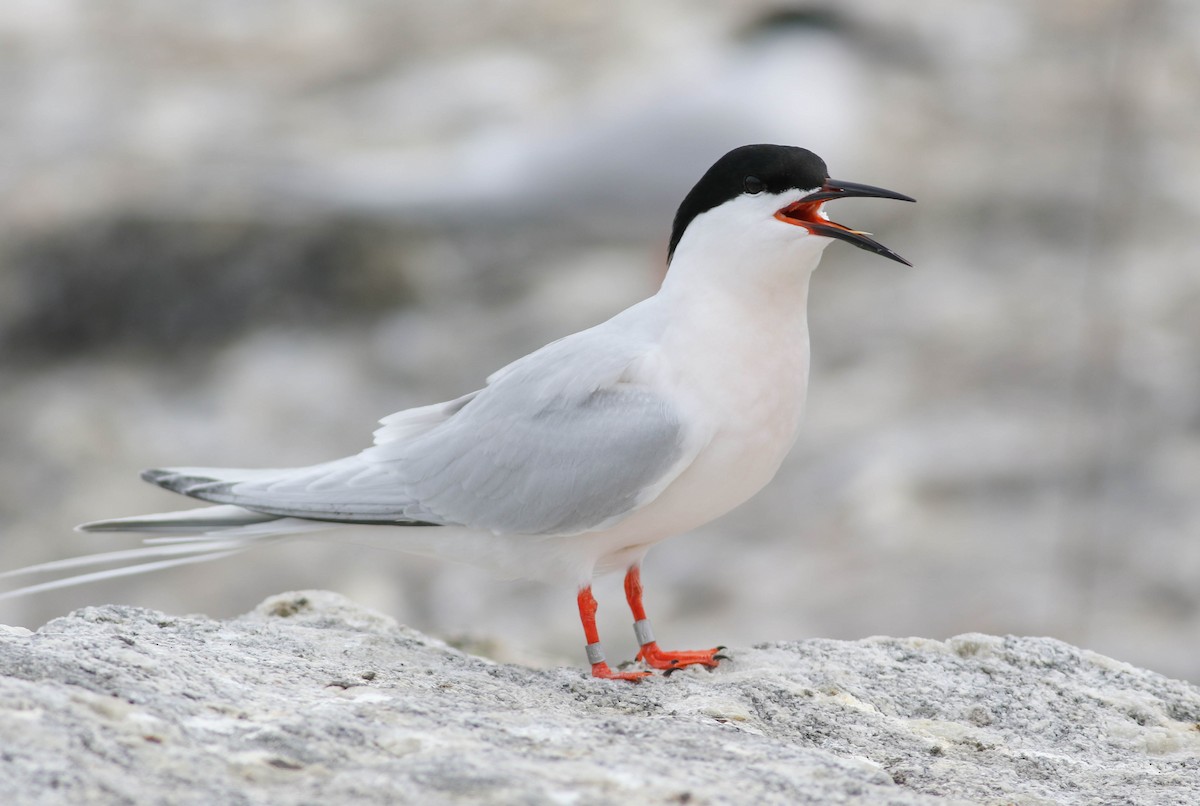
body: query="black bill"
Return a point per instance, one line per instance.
(806, 213)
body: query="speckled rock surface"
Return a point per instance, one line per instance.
(237, 235)
(313, 699)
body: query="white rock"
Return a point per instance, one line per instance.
(311, 698)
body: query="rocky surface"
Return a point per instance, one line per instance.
(313, 699)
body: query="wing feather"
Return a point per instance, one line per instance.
(563, 441)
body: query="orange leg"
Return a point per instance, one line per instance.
(600, 668)
(650, 654)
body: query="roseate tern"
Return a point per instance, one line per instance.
(574, 460)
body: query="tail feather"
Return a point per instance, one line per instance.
(198, 535)
(349, 490)
(202, 551)
(202, 520)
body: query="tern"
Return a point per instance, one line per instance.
(573, 461)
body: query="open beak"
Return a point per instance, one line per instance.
(807, 213)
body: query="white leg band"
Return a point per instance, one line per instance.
(641, 628)
(595, 653)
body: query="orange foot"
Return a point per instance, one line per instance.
(657, 658)
(602, 671)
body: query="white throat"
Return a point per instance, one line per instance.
(741, 250)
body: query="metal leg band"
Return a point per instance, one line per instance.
(641, 628)
(595, 653)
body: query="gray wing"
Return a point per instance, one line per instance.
(559, 442)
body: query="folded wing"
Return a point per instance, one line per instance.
(563, 441)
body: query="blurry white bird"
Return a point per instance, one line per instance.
(574, 460)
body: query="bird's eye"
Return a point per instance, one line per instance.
(753, 185)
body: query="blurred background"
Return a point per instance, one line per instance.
(239, 233)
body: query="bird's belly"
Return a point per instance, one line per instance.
(739, 461)
(753, 417)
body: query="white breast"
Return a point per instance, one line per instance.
(740, 375)
(729, 349)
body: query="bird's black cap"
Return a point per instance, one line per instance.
(777, 168)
